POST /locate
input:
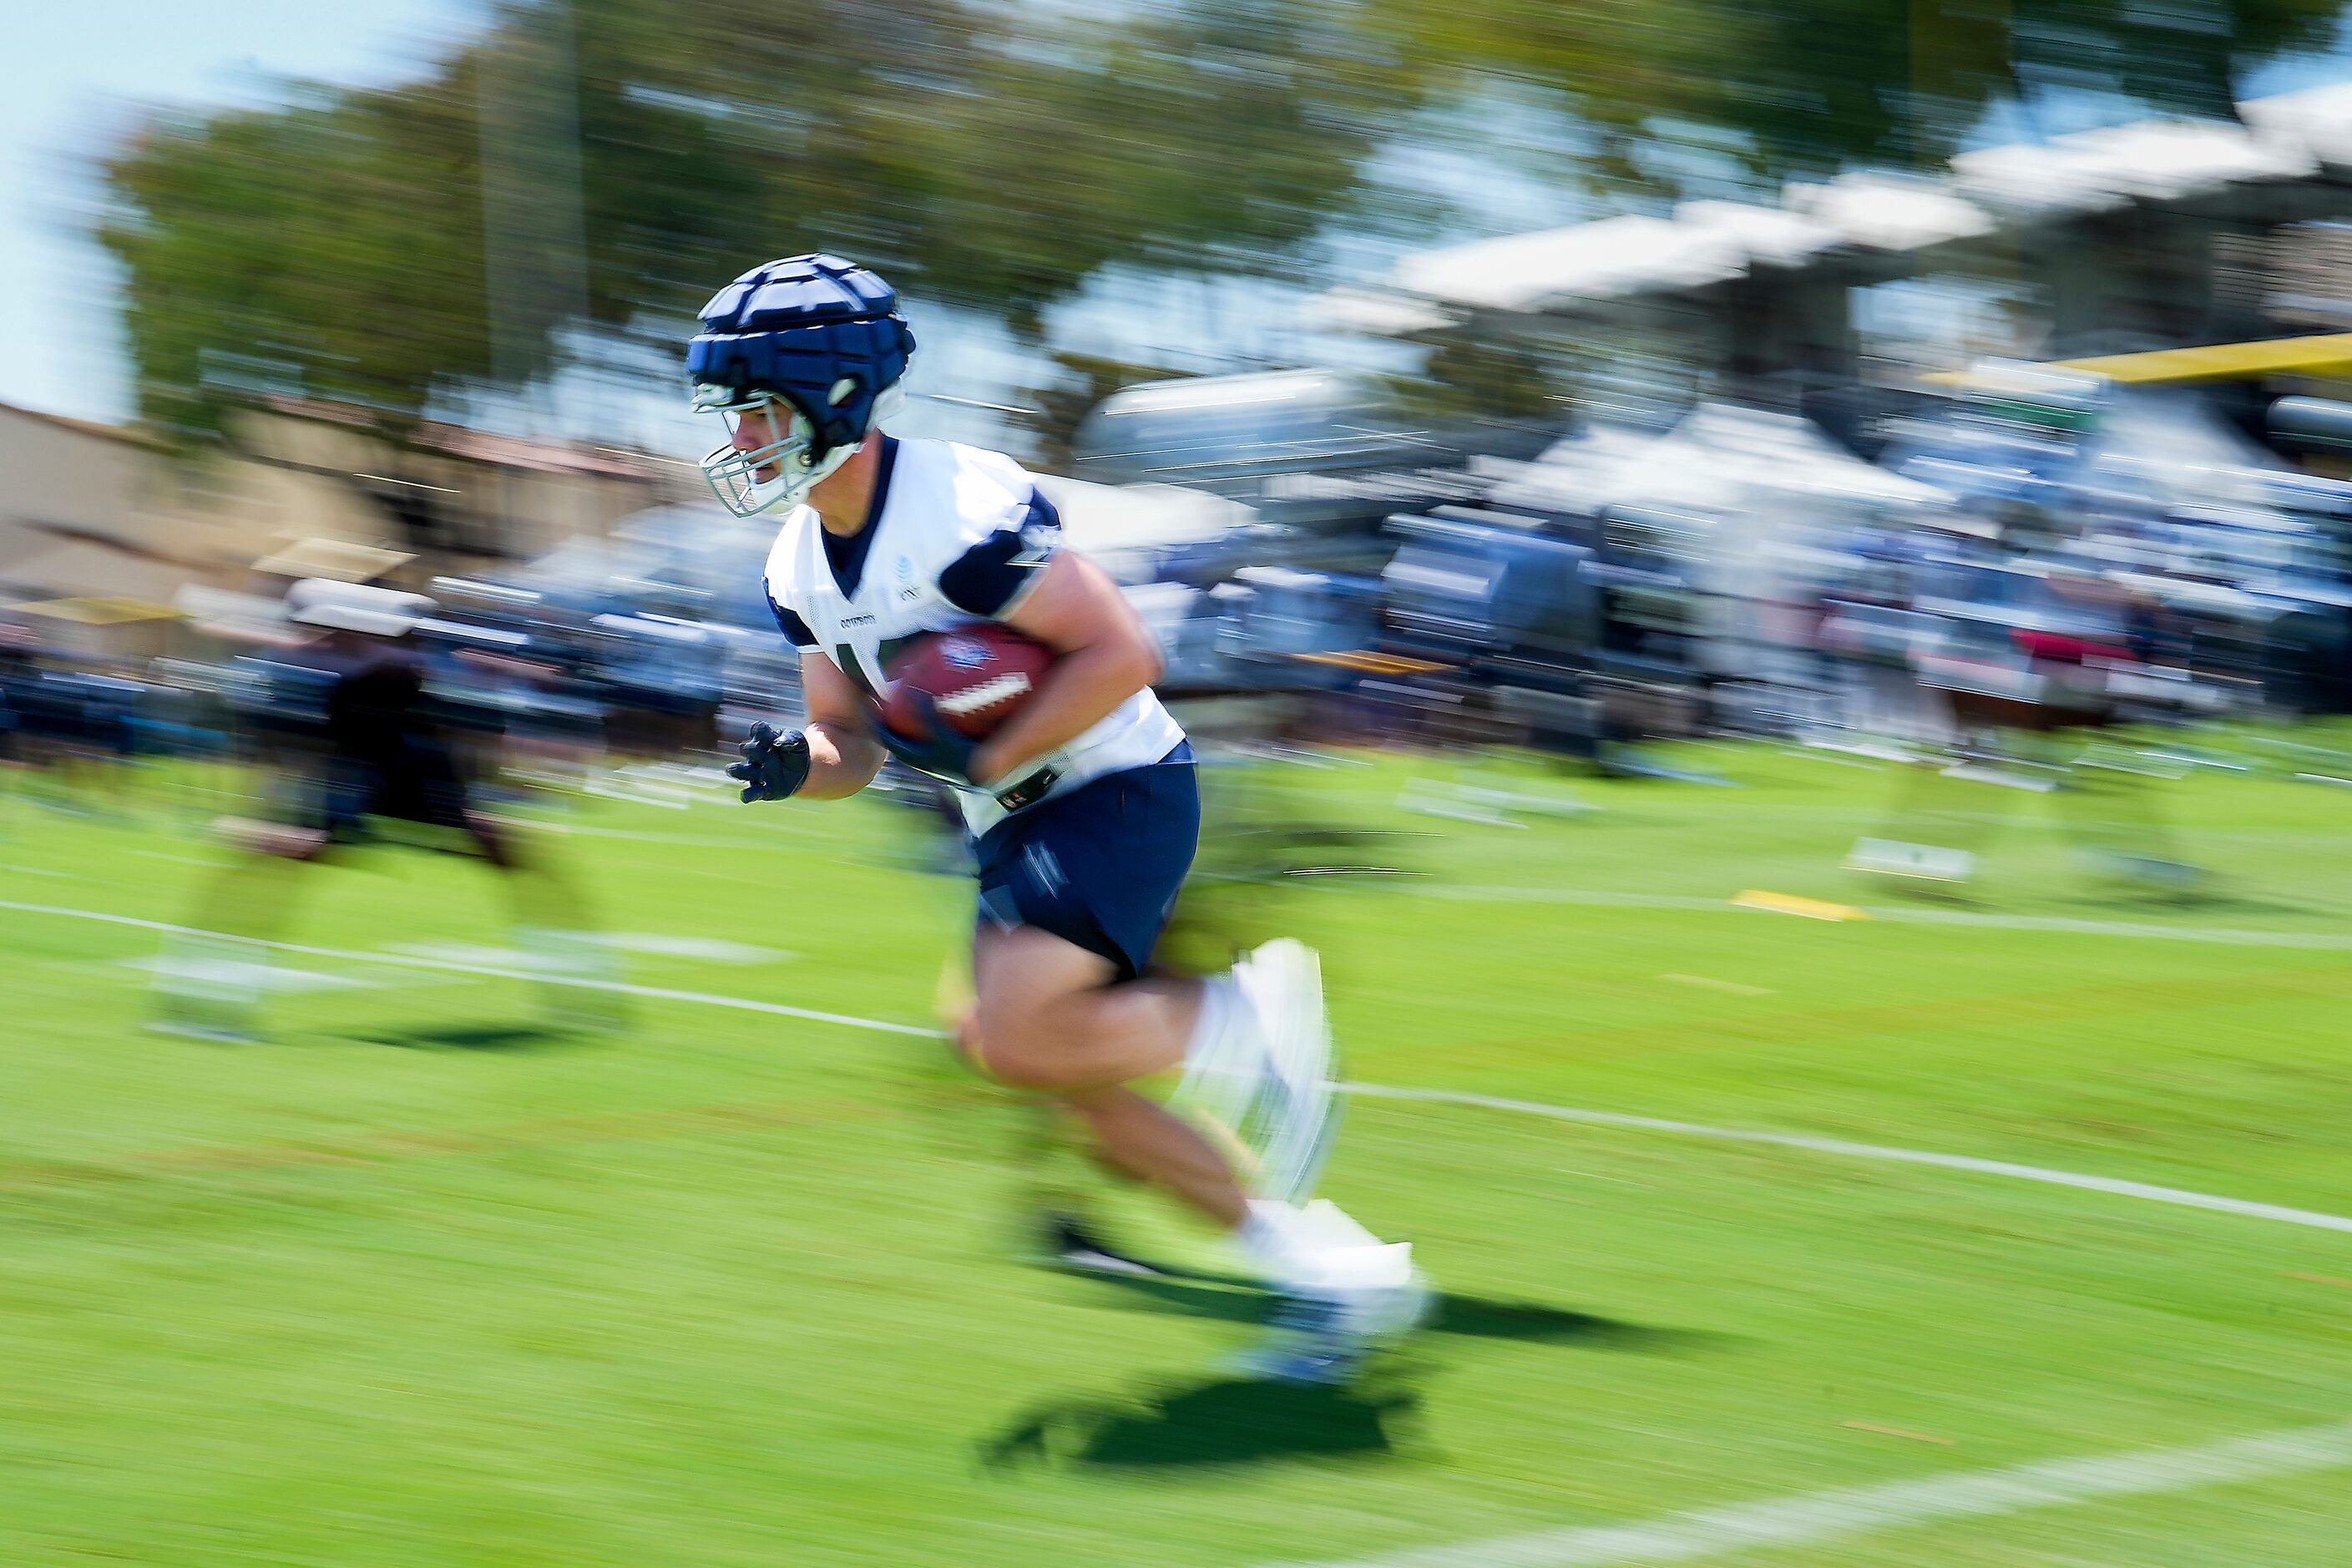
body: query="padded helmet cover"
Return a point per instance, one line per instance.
(801, 328)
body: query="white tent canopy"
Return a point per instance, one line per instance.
(2169, 445)
(2149, 159)
(2287, 137)
(1723, 459)
(1877, 212)
(1610, 256)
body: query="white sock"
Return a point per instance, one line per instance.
(1218, 997)
(1224, 1058)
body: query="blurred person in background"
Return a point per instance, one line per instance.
(2036, 691)
(351, 739)
(72, 725)
(16, 675)
(662, 682)
(1083, 806)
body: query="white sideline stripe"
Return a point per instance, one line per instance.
(2179, 1197)
(634, 798)
(1815, 1517)
(2233, 936)
(2176, 1195)
(619, 987)
(680, 841)
(259, 976)
(699, 949)
(703, 950)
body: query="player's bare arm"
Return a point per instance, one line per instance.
(844, 755)
(1108, 654)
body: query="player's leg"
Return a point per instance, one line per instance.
(1341, 1289)
(1100, 869)
(1251, 1042)
(553, 921)
(1048, 1016)
(2108, 799)
(1071, 900)
(212, 977)
(1063, 1168)
(1051, 1016)
(1142, 1139)
(1035, 986)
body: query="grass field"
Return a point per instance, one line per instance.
(414, 1282)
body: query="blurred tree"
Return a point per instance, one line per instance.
(1807, 86)
(337, 249)
(313, 251)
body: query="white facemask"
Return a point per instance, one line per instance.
(787, 463)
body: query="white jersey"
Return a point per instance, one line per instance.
(956, 535)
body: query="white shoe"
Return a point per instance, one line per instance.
(1323, 1336)
(1289, 1122)
(1386, 1311)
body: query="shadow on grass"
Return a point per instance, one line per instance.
(472, 1037)
(2213, 899)
(1945, 895)
(2107, 901)
(1471, 1317)
(1225, 1421)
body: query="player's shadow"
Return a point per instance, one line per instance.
(470, 1037)
(2214, 899)
(1471, 1317)
(1227, 1421)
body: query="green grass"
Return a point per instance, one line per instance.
(412, 1284)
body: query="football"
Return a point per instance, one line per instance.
(976, 676)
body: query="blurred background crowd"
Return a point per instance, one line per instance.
(1561, 375)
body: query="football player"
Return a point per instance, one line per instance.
(1081, 807)
(358, 742)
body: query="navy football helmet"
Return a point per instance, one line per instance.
(810, 350)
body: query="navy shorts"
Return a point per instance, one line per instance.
(1101, 865)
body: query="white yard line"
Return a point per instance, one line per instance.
(779, 823)
(2179, 1196)
(1708, 982)
(2231, 936)
(634, 798)
(1815, 1517)
(1598, 898)
(269, 977)
(498, 972)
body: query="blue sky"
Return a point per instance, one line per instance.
(70, 75)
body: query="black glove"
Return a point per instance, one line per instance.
(946, 756)
(773, 766)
